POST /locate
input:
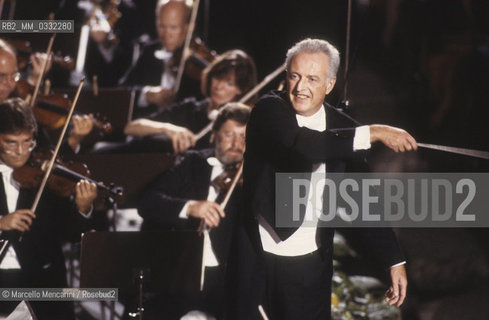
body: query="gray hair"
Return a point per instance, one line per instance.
(316, 46)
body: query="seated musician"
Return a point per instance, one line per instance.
(227, 79)
(37, 261)
(188, 193)
(157, 66)
(9, 76)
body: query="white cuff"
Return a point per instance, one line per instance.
(87, 215)
(361, 141)
(398, 264)
(183, 212)
(142, 102)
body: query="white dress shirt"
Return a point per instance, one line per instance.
(167, 77)
(11, 186)
(210, 259)
(303, 240)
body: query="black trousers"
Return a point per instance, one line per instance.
(211, 300)
(298, 288)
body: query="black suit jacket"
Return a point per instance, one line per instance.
(189, 180)
(39, 253)
(275, 143)
(148, 71)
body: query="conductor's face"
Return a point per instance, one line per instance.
(171, 25)
(307, 82)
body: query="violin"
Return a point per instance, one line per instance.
(24, 51)
(63, 179)
(106, 17)
(198, 59)
(225, 179)
(51, 109)
(228, 181)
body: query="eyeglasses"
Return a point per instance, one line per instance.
(12, 147)
(14, 76)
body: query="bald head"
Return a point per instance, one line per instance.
(172, 23)
(8, 69)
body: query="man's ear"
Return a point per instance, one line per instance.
(211, 140)
(330, 85)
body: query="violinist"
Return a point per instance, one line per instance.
(189, 192)
(9, 77)
(115, 26)
(37, 261)
(156, 67)
(229, 77)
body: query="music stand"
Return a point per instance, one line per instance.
(125, 260)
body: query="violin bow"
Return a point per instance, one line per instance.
(245, 98)
(203, 227)
(190, 31)
(225, 201)
(43, 70)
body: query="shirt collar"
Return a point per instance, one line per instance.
(5, 168)
(163, 54)
(214, 162)
(317, 121)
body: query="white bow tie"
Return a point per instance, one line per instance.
(162, 54)
(214, 162)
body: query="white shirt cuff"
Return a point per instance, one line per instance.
(142, 102)
(361, 141)
(88, 214)
(183, 212)
(398, 264)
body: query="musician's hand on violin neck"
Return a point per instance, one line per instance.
(82, 126)
(37, 59)
(211, 212)
(85, 194)
(160, 97)
(18, 220)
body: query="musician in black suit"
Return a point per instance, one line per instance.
(189, 192)
(37, 261)
(229, 77)
(295, 131)
(157, 65)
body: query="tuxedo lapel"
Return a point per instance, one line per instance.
(202, 175)
(3, 198)
(26, 198)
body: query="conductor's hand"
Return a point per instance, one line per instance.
(394, 138)
(397, 291)
(210, 212)
(18, 220)
(86, 192)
